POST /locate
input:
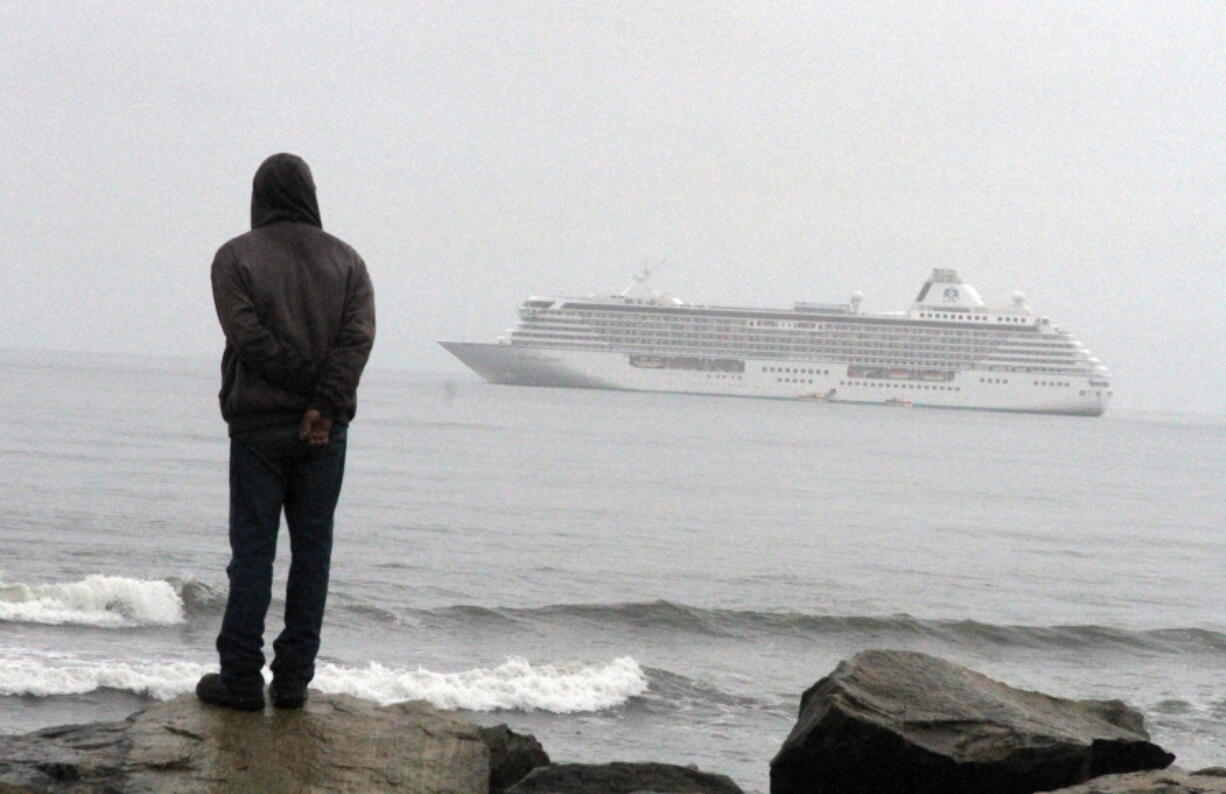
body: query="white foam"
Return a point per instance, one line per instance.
(162, 680)
(106, 601)
(514, 685)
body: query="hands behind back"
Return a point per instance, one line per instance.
(315, 428)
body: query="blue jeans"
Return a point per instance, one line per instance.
(271, 469)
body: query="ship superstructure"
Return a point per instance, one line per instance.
(950, 350)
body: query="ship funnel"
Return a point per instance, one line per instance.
(945, 289)
(640, 288)
(641, 291)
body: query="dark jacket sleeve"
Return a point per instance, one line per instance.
(256, 346)
(338, 378)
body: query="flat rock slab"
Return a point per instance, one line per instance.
(900, 722)
(623, 778)
(1157, 782)
(336, 744)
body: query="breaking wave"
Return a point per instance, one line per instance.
(105, 601)
(162, 680)
(109, 601)
(514, 685)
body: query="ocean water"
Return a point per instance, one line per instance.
(628, 576)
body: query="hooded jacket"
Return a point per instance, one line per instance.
(296, 306)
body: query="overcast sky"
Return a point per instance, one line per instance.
(476, 153)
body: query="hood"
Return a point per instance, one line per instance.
(283, 190)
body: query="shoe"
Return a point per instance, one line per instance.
(287, 696)
(211, 689)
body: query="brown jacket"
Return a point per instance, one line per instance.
(296, 305)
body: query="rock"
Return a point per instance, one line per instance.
(336, 744)
(1160, 782)
(621, 778)
(512, 755)
(899, 722)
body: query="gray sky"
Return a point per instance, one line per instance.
(768, 152)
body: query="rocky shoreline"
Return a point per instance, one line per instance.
(883, 722)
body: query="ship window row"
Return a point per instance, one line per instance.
(570, 337)
(1096, 392)
(1035, 361)
(1035, 344)
(801, 349)
(536, 329)
(1035, 358)
(896, 385)
(1066, 355)
(1032, 370)
(951, 316)
(922, 343)
(815, 344)
(880, 346)
(561, 345)
(776, 352)
(771, 326)
(840, 339)
(799, 370)
(530, 335)
(775, 326)
(973, 317)
(829, 343)
(1038, 341)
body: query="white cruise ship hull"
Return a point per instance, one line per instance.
(524, 365)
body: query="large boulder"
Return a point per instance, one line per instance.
(1207, 781)
(900, 722)
(336, 744)
(512, 756)
(622, 778)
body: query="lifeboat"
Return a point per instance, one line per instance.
(815, 397)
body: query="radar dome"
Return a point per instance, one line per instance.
(1019, 299)
(857, 297)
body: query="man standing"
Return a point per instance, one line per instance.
(297, 309)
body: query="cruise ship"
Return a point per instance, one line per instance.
(948, 350)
